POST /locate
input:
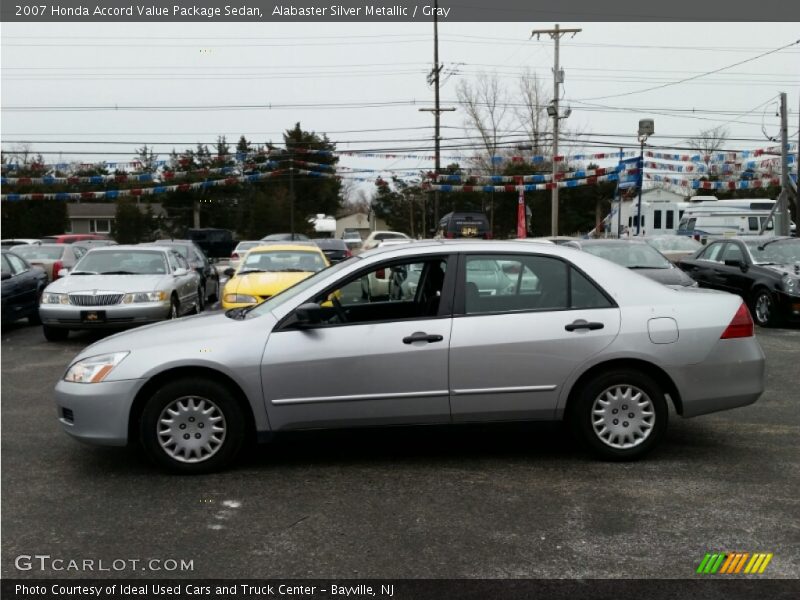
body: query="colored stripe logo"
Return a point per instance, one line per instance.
(734, 563)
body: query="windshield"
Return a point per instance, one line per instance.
(298, 288)
(779, 252)
(282, 260)
(633, 256)
(675, 243)
(32, 252)
(245, 246)
(122, 262)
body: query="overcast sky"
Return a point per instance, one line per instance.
(196, 64)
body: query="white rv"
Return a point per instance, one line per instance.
(728, 217)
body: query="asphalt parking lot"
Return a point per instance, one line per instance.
(491, 501)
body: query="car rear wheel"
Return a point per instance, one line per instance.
(620, 415)
(34, 318)
(763, 308)
(192, 426)
(55, 334)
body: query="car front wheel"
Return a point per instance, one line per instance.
(763, 308)
(192, 426)
(620, 415)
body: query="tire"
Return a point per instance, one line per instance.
(763, 309)
(34, 318)
(215, 296)
(612, 397)
(202, 406)
(174, 309)
(201, 299)
(55, 334)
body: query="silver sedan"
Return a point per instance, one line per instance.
(591, 343)
(120, 287)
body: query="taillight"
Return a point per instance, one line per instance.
(347, 253)
(488, 235)
(740, 326)
(449, 235)
(234, 256)
(57, 266)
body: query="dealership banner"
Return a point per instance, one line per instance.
(395, 11)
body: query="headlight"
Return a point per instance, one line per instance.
(50, 298)
(95, 368)
(145, 297)
(790, 285)
(240, 299)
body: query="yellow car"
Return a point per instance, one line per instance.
(268, 270)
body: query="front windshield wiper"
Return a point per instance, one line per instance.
(83, 273)
(117, 273)
(292, 270)
(245, 271)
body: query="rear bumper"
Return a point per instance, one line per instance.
(733, 375)
(97, 413)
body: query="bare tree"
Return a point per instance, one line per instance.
(532, 115)
(709, 141)
(486, 106)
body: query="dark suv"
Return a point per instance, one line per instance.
(209, 278)
(464, 225)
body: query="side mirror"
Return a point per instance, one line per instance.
(6, 275)
(179, 272)
(229, 272)
(63, 272)
(736, 263)
(308, 313)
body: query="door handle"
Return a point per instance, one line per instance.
(421, 336)
(581, 324)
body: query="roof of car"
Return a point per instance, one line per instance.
(294, 246)
(610, 242)
(150, 246)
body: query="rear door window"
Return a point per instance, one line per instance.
(513, 283)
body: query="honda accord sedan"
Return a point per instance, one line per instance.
(582, 340)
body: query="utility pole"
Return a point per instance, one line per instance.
(291, 197)
(433, 77)
(782, 216)
(558, 78)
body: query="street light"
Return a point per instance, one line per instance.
(646, 129)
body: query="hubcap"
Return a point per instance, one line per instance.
(623, 416)
(191, 429)
(763, 307)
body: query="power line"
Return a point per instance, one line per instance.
(658, 87)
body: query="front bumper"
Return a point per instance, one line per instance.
(789, 307)
(733, 375)
(97, 413)
(68, 316)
